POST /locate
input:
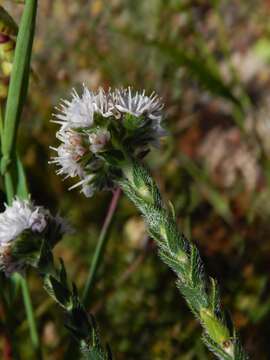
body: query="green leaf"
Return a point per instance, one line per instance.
(62, 273)
(45, 264)
(214, 296)
(19, 81)
(21, 189)
(59, 292)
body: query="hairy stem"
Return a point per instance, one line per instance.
(79, 323)
(199, 290)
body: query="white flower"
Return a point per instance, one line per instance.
(78, 112)
(21, 215)
(104, 103)
(67, 162)
(69, 153)
(138, 104)
(18, 217)
(87, 188)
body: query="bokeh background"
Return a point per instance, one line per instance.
(210, 62)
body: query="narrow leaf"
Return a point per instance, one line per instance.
(21, 189)
(19, 80)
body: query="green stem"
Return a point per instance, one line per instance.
(9, 187)
(30, 316)
(182, 256)
(1, 123)
(23, 283)
(16, 98)
(19, 81)
(100, 248)
(25, 291)
(78, 322)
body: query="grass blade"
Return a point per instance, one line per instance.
(19, 81)
(11, 166)
(21, 189)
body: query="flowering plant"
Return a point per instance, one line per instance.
(104, 136)
(24, 228)
(97, 129)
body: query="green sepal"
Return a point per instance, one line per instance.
(62, 272)
(45, 264)
(58, 291)
(54, 232)
(113, 157)
(131, 122)
(78, 322)
(195, 296)
(27, 247)
(217, 349)
(214, 327)
(214, 297)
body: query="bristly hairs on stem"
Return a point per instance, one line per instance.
(104, 135)
(182, 256)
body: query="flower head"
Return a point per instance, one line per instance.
(98, 128)
(77, 112)
(20, 216)
(69, 153)
(22, 224)
(138, 104)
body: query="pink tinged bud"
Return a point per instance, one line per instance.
(37, 222)
(75, 144)
(80, 150)
(74, 139)
(99, 140)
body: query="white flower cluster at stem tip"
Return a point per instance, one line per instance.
(85, 132)
(20, 216)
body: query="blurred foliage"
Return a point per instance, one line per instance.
(209, 60)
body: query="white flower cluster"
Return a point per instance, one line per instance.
(85, 133)
(20, 216)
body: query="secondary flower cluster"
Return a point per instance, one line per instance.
(23, 228)
(98, 128)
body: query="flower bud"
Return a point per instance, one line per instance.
(99, 140)
(24, 228)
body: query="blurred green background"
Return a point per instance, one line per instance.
(210, 62)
